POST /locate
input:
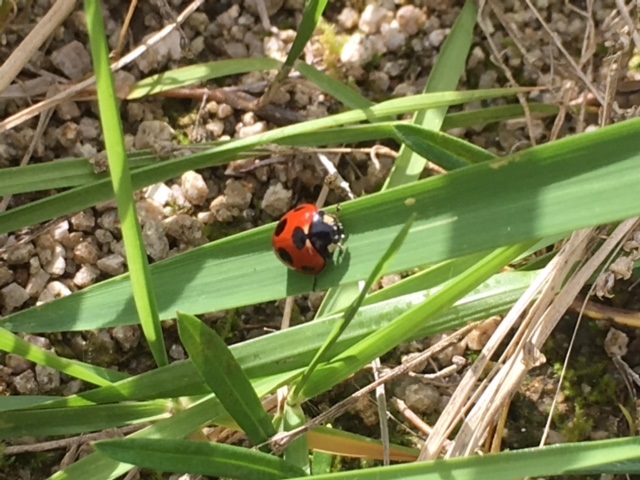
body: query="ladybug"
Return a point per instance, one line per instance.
(305, 238)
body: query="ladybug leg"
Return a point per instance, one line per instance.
(313, 286)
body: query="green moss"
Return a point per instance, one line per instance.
(577, 427)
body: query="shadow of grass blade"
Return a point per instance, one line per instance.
(203, 458)
(225, 378)
(136, 254)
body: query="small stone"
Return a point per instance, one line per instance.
(67, 110)
(445, 357)
(86, 276)
(161, 53)
(86, 252)
(356, 51)
(348, 18)
(17, 364)
(112, 264)
(437, 37)
(25, 383)
(128, 336)
(103, 236)
(69, 134)
(276, 200)
(151, 133)
(155, 241)
(148, 211)
(249, 130)
(109, 221)
(616, 343)
(194, 187)
(60, 232)
(53, 291)
(392, 37)
(73, 387)
(72, 59)
(38, 341)
(20, 254)
(219, 208)
(410, 19)
(479, 336)
(177, 352)
(224, 111)
(48, 378)
(6, 275)
(159, 193)
(83, 221)
(37, 282)
(372, 17)
(236, 49)
(13, 296)
(421, 398)
(237, 194)
(215, 127)
(184, 228)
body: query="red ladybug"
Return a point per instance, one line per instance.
(305, 238)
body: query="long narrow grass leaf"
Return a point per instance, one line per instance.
(141, 282)
(225, 377)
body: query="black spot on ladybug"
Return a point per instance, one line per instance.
(299, 238)
(306, 269)
(285, 256)
(282, 224)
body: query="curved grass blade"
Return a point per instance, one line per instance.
(142, 285)
(225, 378)
(489, 115)
(554, 460)
(203, 458)
(186, 76)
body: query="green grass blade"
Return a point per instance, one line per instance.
(69, 421)
(203, 458)
(352, 309)
(89, 195)
(554, 460)
(489, 115)
(544, 191)
(449, 152)
(297, 452)
(310, 18)
(186, 76)
(225, 378)
(99, 467)
(445, 75)
(137, 262)
(387, 338)
(11, 343)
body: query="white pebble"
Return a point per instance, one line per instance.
(277, 200)
(53, 291)
(194, 187)
(13, 296)
(112, 264)
(372, 17)
(86, 276)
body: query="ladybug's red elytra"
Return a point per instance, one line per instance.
(305, 238)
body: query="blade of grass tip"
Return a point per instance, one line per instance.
(394, 333)
(143, 293)
(351, 310)
(225, 377)
(445, 75)
(310, 18)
